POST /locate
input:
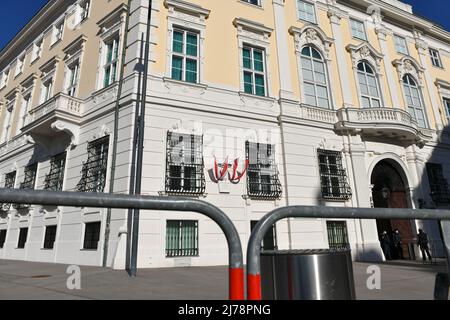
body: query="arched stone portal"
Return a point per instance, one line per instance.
(390, 190)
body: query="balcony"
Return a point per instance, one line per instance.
(58, 118)
(384, 123)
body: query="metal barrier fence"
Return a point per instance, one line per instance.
(254, 246)
(101, 200)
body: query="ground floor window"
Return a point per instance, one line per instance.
(337, 235)
(182, 238)
(91, 236)
(23, 233)
(270, 238)
(50, 236)
(333, 176)
(2, 238)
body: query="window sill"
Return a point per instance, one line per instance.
(256, 6)
(34, 61)
(437, 67)
(185, 83)
(254, 96)
(18, 75)
(89, 250)
(181, 194)
(46, 249)
(55, 43)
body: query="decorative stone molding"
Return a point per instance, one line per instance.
(408, 65)
(186, 7)
(311, 35)
(365, 52)
(244, 26)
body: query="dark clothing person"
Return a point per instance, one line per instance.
(386, 245)
(397, 240)
(422, 242)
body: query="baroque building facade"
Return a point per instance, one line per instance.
(250, 105)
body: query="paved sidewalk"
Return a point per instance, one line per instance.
(28, 280)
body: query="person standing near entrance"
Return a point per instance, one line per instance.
(422, 242)
(386, 245)
(397, 239)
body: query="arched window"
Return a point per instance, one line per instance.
(315, 80)
(368, 86)
(414, 100)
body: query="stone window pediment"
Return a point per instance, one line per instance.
(75, 48)
(186, 11)
(408, 65)
(311, 35)
(252, 30)
(365, 52)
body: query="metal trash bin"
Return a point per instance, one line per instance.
(307, 275)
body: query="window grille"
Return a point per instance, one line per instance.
(333, 176)
(28, 183)
(10, 181)
(55, 179)
(182, 239)
(438, 184)
(269, 242)
(262, 174)
(185, 164)
(50, 236)
(93, 174)
(337, 235)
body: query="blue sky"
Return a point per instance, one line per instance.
(14, 14)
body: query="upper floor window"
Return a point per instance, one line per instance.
(438, 183)
(185, 165)
(368, 86)
(26, 106)
(306, 11)
(7, 120)
(93, 174)
(4, 78)
(254, 70)
(55, 178)
(10, 182)
(73, 72)
(37, 49)
(414, 100)
(262, 175)
(111, 62)
(19, 65)
(358, 29)
(333, 177)
(58, 30)
(447, 106)
(435, 58)
(400, 44)
(46, 90)
(185, 55)
(254, 2)
(28, 183)
(315, 80)
(84, 7)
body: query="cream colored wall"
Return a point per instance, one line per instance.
(89, 66)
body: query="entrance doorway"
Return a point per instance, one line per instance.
(390, 191)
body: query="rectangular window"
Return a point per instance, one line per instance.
(2, 238)
(73, 72)
(438, 184)
(10, 182)
(93, 175)
(26, 104)
(254, 71)
(185, 165)
(306, 11)
(50, 237)
(55, 179)
(400, 45)
(47, 90)
(23, 234)
(447, 106)
(58, 30)
(262, 175)
(84, 7)
(358, 29)
(254, 2)
(333, 176)
(37, 50)
(111, 62)
(270, 238)
(91, 235)
(7, 121)
(182, 238)
(185, 55)
(4, 78)
(29, 183)
(337, 235)
(435, 58)
(19, 65)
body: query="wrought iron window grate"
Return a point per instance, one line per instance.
(182, 239)
(438, 184)
(55, 179)
(28, 183)
(10, 181)
(262, 175)
(93, 174)
(185, 164)
(337, 235)
(333, 176)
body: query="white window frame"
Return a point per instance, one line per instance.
(369, 95)
(398, 46)
(115, 39)
(259, 4)
(312, 4)
(7, 120)
(184, 56)
(46, 90)
(254, 72)
(422, 104)
(37, 49)
(363, 26)
(58, 30)
(20, 62)
(83, 10)
(24, 109)
(72, 77)
(446, 101)
(435, 58)
(4, 77)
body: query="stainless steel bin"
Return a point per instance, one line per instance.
(307, 275)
